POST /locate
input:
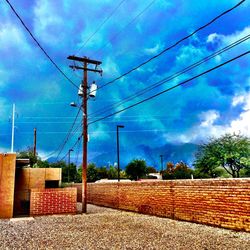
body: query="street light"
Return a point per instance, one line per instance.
(73, 104)
(71, 150)
(118, 149)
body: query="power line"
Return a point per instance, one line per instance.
(47, 117)
(41, 133)
(60, 148)
(171, 77)
(39, 45)
(50, 122)
(100, 25)
(78, 140)
(68, 137)
(173, 45)
(128, 24)
(131, 131)
(77, 153)
(173, 87)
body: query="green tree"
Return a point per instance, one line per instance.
(151, 170)
(79, 175)
(230, 152)
(182, 171)
(136, 169)
(67, 171)
(92, 173)
(28, 154)
(178, 171)
(42, 164)
(112, 172)
(102, 172)
(168, 174)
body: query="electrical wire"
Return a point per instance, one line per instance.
(78, 140)
(171, 88)
(125, 27)
(171, 77)
(173, 45)
(77, 153)
(61, 146)
(39, 45)
(68, 137)
(100, 26)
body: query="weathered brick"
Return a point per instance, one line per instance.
(53, 201)
(219, 202)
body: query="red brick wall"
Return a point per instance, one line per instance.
(53, 201)
(218, 202)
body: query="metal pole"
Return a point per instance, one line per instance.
(13, 128)
(85, 139)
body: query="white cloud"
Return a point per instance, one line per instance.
(154, 50)
(110, 66)
(45, 22)
(212, 38)
(189, 53)
(243, 99)
(228, 39)
(239, 99)
(209, 117)
(206, 127)
(242, 123)
(12, 37)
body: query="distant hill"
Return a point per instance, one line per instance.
(170, 152)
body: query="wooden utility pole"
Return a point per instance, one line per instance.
(84, 86)
(34, 149)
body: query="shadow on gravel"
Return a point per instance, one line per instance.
(92, 209)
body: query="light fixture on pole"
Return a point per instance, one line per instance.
(73, 104)
(118, 149)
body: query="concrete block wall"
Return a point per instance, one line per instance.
(7, 184)
(217, 202)
(53, 201)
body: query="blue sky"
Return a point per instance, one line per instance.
(206, 107)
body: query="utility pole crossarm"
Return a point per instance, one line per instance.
(84, 59)
(93, 70)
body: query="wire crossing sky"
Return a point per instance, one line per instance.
(130, 38)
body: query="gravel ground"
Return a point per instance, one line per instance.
(104, 228)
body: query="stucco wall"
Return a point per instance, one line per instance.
(7, 181)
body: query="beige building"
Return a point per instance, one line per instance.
(16, 181)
